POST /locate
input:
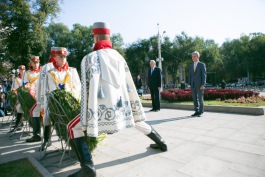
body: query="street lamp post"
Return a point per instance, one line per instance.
(160, 59)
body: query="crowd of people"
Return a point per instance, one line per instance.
(5, 86)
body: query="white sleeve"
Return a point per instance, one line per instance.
(83, 93)
(40, 86)
(76, 84)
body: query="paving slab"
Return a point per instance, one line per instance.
(215, 145)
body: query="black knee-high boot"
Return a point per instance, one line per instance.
(36, 131)
(160, 143)
(46, 136)
(18, 122)
(85, 158)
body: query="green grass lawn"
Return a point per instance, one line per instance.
(214, 102)
(19, 168)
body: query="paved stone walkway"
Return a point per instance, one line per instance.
(215, 145)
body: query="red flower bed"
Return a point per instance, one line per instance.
(209, 94)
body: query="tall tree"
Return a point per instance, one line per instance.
(211, 57)
(25, 20)
(234, 57)
(137, 56)
(117, 43)
(256, 56)
(58, 36)
(80, 44)
(183, 45)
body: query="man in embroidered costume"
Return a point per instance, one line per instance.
(41, 95)
(60, 76)
(109, 101)
(30, 82)
(17, 82)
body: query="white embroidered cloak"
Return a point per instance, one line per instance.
(41, 84)
(30, 79)
(17, 82)
(73, 84)
(106, 83)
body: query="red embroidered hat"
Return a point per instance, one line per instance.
(35, 58)
(53, 49)
(101, 28)
(60, 51)
(21, 67)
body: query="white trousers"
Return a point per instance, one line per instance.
(19, 108)
(75, 130)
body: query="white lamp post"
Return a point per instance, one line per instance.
(160, 59)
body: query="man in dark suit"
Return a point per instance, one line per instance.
(197, 80)
(154, 84)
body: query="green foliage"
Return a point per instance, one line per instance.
(78, 41)
(26, 101)
(5, 68)
(79, 45)
(12, 97)
(117, 43)
(71, 108)
(234, 59)
(256, 56)
(244, 57)
(23, 26)
(138, 55)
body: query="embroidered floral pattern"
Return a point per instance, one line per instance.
(107, 116)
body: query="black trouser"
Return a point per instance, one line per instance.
(36, 126)
(155, 98)
(84, 156)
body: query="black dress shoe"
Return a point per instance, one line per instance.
(152, 110)
(199, 114)
(195, 114)
(33, 139)
(157, 110)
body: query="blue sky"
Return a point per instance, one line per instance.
(137, 19)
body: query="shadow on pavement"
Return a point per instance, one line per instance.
(125, 160)
(154, 122)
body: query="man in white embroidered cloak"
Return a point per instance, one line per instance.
(41, 98)
(30, 80)
(17, 82)
(109, 100)
(58, 76)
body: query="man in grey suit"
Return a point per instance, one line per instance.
(197, 80)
